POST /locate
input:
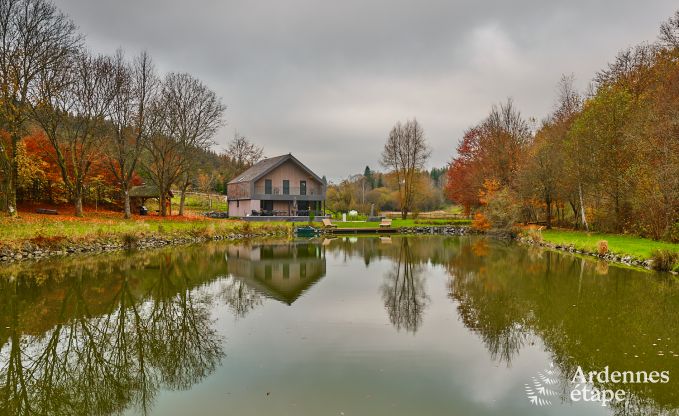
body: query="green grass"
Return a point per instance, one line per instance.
(194, 202)
(59, 231)
(637, 247)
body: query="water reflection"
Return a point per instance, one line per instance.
(626, 320)
(403, 290)
(94, 338)
(282, 271)
(98, 336)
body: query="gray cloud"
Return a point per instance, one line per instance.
(327, 80)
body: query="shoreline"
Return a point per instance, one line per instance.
(621, 259)
(31, 251)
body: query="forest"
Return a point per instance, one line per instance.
(604, 160)
(81, 127)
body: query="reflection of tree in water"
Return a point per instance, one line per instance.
(240, 297)
(583, 319)
(403, 291)
(94, 363)
(493, 314)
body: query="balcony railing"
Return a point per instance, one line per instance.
(279, 190)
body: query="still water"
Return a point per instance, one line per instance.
(351, 326)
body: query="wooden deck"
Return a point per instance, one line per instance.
(360, 230)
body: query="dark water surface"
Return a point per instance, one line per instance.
(353, 326)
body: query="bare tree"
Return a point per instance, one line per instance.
(244, 153)
(135, 85)
(206, 180)
(34, 37)
(186, 116)
(405, 153)
(73, 118)
(669, 32)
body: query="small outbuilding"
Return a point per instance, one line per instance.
(140, 194)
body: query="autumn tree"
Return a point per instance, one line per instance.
(73, 117)
(405, 153)
(464, 178)
(504, 139)
(609, 155)
(35, 38)
(134, 87)
(492, 150)
(340, 198)
(186, 115)
(544, 176)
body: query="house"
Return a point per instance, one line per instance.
(277, 186)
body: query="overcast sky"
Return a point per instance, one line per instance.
(326, 80)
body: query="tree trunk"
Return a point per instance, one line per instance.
(11, 181)
(549, 213)
(182, 199)
(128, 209)
(78, 202)
(576, 220)
(161, 202)
(582, 208)
(9, 200)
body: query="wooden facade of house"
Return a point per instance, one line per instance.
(277, 186)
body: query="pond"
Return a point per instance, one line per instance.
(351, 326)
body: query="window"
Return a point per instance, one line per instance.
(267, 186)
(286, 187)
(302, 187)
(238, 203)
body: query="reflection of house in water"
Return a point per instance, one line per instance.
(280, 271)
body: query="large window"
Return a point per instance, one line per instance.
(286, 187)
(267, 186)
(267, 205)
(302, 187)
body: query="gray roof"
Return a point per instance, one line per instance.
(265, 166)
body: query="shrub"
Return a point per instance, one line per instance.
(209, 231)
(480, 222)
(672, 233)
(245, 228)
(501, 210)
(130, 240)
(534, 236)
(664, 260)
(602, 247)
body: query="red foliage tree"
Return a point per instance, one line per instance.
(464, 179)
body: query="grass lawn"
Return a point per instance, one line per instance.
(194, 202)
(103, 225)
(638, 247)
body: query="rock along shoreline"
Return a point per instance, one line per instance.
(31, 251)
(609, 257)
